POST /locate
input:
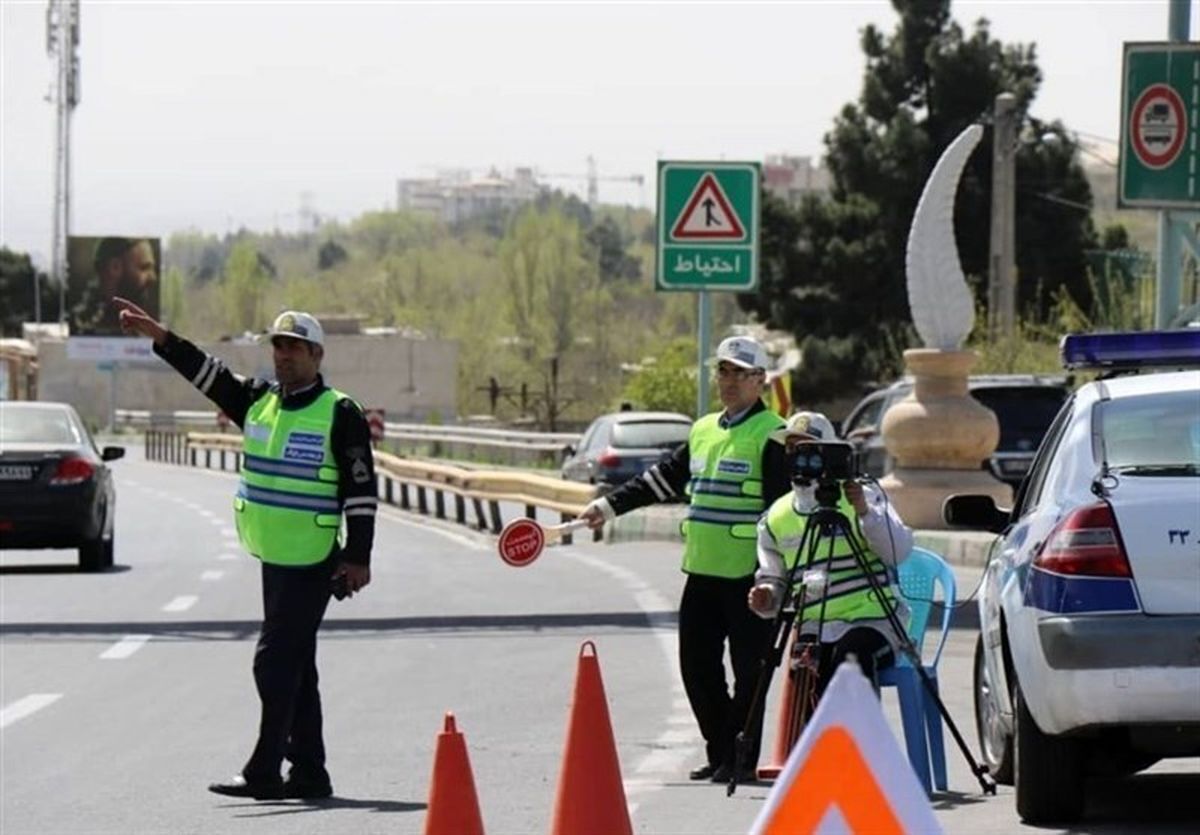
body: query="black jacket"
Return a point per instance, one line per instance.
(350, 435)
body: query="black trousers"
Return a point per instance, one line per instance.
(713, 610)
(869, 648)
(285, 673)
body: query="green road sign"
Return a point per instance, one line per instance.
(708, 226)
(1160, 100)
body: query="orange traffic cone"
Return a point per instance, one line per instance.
(591, 797)
(453, 806)
(792, 715)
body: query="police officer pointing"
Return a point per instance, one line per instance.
(306, 464)
(730, 474)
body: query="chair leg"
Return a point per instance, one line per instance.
(912, 716)
(933, 728)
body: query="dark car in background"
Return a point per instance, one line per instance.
(1025, 405)
(618, 446)
(56, 491)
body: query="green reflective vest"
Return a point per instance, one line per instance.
(287, 507)
(726, 494)
(848, 595)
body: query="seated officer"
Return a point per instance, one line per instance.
(855, 620)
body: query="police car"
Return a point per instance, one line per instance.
(1088, 661)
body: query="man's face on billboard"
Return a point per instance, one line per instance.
(138, 264)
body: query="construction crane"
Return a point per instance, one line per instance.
(593, 178)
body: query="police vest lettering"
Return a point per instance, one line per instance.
(848, 594)
(726, 494)
(287, 506)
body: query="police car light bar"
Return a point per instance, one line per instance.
(1145, 349)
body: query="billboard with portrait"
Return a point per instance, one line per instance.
(99, 268)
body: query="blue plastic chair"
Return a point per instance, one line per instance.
(920, 575)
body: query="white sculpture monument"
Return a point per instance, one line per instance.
(939, 435)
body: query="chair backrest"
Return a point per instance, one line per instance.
(920, 575)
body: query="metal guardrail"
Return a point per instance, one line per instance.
(424, 486)
(510, 446)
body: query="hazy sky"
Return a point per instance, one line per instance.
(215, 115)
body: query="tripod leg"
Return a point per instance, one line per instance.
(986, 783)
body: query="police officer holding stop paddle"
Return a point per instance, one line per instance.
(306, 465)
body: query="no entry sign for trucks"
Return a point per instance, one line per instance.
(1159, 126)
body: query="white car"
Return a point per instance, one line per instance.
(1088, 661)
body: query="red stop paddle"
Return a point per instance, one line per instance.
(522, 540)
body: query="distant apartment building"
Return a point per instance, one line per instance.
(791, 177)
(454, 196)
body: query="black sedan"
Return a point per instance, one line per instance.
(55, 489)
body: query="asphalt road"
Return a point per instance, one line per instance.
(123, 694)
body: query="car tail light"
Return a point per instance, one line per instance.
(72, 471)
(1088, 543)
(608, 458)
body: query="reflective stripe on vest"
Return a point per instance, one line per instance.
(287, 506)
(848, 594)
(725, 494)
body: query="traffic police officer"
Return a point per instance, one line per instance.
(855, 620)
(307, 463)
(730, 474)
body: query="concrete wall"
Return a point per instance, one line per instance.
(410, 378)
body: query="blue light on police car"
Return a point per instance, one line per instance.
(1145, 349)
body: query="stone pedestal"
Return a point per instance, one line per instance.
(940, 437)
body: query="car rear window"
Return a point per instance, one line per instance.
(1153, 430)
(651, 433)
(1024, 413)
(37, 424)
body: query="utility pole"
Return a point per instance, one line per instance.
(1002, 295)
(1170, 225)
(62, 40)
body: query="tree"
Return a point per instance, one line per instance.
(668, 383)
(608, 244)
(330, 255)
(833, 269)
(16, 289)
(246, 282)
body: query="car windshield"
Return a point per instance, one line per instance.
(37, 424)
(1155, 434)
(650, 433)
(1024, 413)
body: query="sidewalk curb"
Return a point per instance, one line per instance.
(660, 523)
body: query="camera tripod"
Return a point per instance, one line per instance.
(826, 523)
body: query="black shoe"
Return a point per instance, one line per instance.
(725, 772)
(307, 789)
(238, 787)
(704, 772)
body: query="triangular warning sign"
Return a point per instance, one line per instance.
(847, 772)
(707, 215)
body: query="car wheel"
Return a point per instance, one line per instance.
(1049, 772)
(994, 743)
(95, 555)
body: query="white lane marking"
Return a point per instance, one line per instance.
(208, 514)
(131, 482)
(24, 707)
(218, 523)
(227, 556)
(125, 647)
(212, 576)
(461, 539)
(229, 533)
(181, 603)
(670, 751)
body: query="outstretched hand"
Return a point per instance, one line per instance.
(137, 321)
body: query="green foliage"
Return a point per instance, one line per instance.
(244, 288)
(173, 300)
(833, 269)
(16, 290)
(667, 383)
(330, 255)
